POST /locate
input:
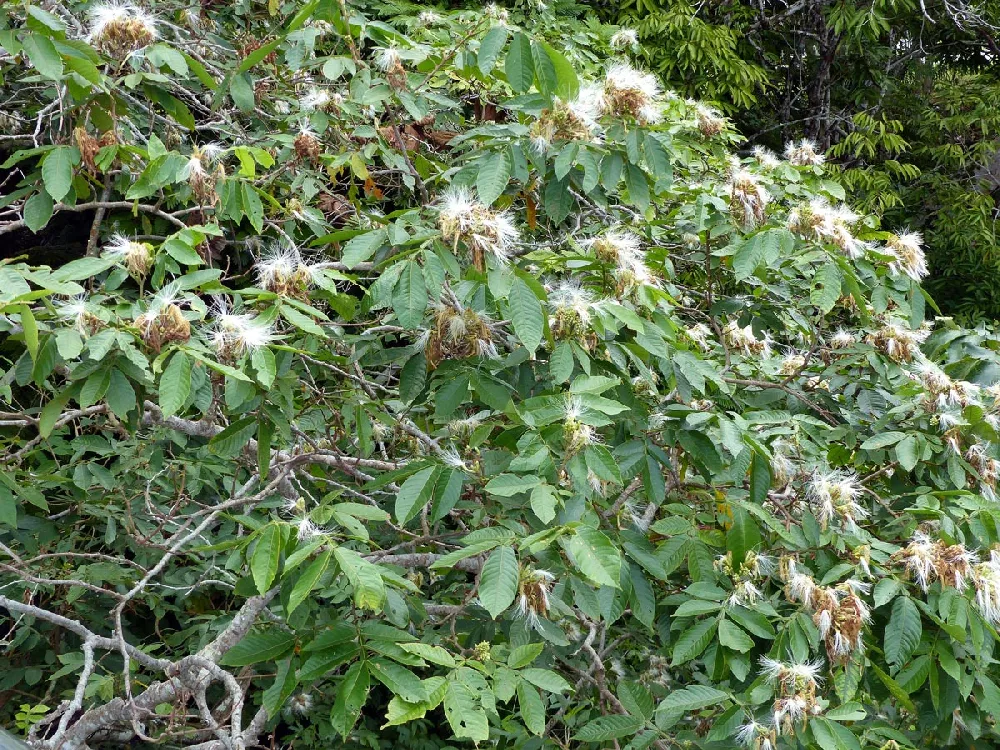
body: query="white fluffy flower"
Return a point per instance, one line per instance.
(803, 153)
(842, 339)
(909, 255)
(835, 495)
(314, 98)
(625, 39)
(135, 256)
(570, 296)
(766, 158)
(239, 333)
(791, 674)
(123, 23)
(74, 309)
(387, 58)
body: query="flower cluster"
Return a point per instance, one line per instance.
(825, 223)
(564, 121)
(120, 29)
(766, 158)
(926, 560)
(623, 250)
(838, 611)
(754, 568)
(710, 124)
(630, 92)
(746, 341)
(486, 233)
(572, 307)
(803, 154)
(235, 335)
(201, 177)
(795, 693)
(458, 333)
(135, 256)
(625, 39)
(942, 391)
(834, 495)
(908, 255)
(898, 341)
(747, 199)
(533, 589)
(577, 435)
(283, 271)
(163, 321)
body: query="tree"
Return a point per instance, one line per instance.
(423, 387)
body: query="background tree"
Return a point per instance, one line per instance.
(901, 94)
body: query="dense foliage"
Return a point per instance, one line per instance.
(446, 381)
(901, 94)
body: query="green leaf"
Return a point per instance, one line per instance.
(561, 362)
(693, 641)
(414, 494)
(526, 314)
(51, 412)
(543, 502)
(692, 698)
(508, 485)
(265, 431)
(490, 48)
(743, 535)
(906, 452)
(732, 636)
(301, 321)
(45, 20)
(8, 508)
(827, 290)
(83, 268)
(369, 588)
(595, 556)
(532, 708)
(44, 56)
(464, 713)
(38, 210)
(638, 186)
(498, 581)
(522, 656)
(518, 66)
(231, 440)
(882, 440)
(352, 694)
(611, 727)
(362, 247)
(259, 647)
(558, 200)
(409, 300)
(241, 89)
(433, 654)
(446, 561)
(902, 634)
(266, 557)
(401, 712)
(57, 170)
(567, 83)
(30, 327)
(493, 176)
(546, 679)
(308, 580)
(398, 679)
(175, 384)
